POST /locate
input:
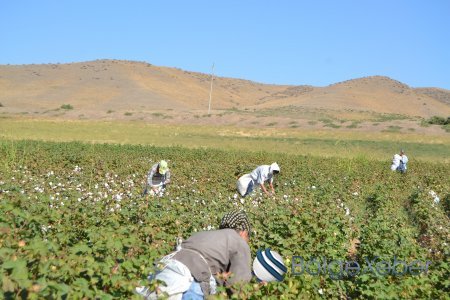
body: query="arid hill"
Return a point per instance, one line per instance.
(108, 89)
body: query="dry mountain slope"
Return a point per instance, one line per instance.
(98, 86)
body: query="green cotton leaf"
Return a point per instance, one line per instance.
(117, 245)
(82, 283)
(105, 297)
(38, 246)
(8, 285)
(127, 265)
(81, 248)
(20, 273)
(5, 253)
(60, 287)
(9, 265)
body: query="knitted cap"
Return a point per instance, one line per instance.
(236, 220)
(268, 266)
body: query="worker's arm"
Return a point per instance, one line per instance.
(264, 189)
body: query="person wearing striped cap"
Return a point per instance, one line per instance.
(206, 259)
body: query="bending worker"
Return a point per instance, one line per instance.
(206, 259)
(157, 178)
(259, 176)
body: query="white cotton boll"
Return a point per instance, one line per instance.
(313, 187)
(347, 211)
(320, 291)
(235, 196)
(285, 196)
(355, 194)
(436, 200)
(242, 201)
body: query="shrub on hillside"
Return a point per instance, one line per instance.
(67, 106)
(435, 120)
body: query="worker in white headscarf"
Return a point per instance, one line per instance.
(260, 175)
(399, 162)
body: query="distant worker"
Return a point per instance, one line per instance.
(205, 260)
(260, 175)
(399, 162)
(157, 179)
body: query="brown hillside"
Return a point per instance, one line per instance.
(438, 94)
(97, 87)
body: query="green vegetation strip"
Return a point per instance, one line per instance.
(380, 146)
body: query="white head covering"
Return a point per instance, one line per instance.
(274, 167)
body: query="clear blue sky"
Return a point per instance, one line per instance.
(284, 42)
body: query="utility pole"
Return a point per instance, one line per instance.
(210, 90)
